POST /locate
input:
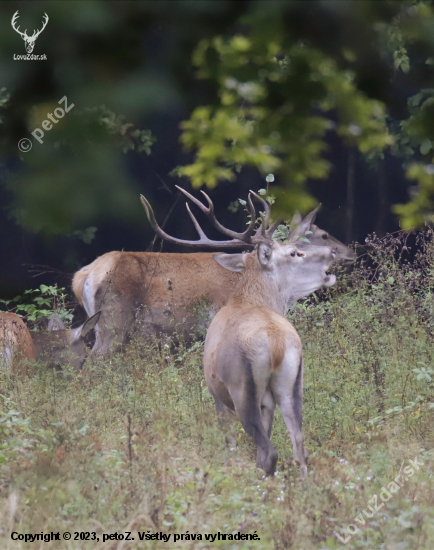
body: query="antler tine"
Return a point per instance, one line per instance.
(251, 228)
(150, 215)
(209, 212)
(261, 232)
(195, 223)
(273, 228)
(266, 206)
(197, 202)
(201, 242)
(245, 235)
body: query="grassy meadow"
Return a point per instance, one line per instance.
(132, 443)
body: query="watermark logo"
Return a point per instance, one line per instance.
(25, 144)
(29, 41)
(385, 494)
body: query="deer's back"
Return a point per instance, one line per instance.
(155, 279)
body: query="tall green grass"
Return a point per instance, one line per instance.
(132, 443)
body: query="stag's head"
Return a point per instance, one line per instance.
(285, 272)
(303, 232)
(290, 270)
(29, 41)
(307, 229)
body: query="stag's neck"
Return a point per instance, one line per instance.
(258, 289)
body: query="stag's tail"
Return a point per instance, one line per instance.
(100, 268)
(78, 281)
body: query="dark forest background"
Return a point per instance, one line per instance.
(334, 98)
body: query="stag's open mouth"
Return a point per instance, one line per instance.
(329, 280)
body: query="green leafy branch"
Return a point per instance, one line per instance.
(44, 302)
(285, 136)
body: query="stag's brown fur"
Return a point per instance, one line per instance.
(159, 293)
(156, 290)
(128, 273)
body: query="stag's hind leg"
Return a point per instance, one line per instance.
(267, 415)
(256, 420)
(288, 390)
(268, 405)
(226, 418)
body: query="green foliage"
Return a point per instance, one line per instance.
(126, 135)
(277, 85)
(417, 135)
(264, 193)
(419, 210)
(413, 136)
(275, 105)
(87, 235)
(84, 154)
(41, 303)
(277, 99)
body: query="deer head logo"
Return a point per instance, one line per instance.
(29, 41)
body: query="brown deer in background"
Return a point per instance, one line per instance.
(59, 346)
(164, 293)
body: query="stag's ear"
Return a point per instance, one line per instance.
(85, 328)
(233, 262)
(296, 220)
(265, 253)
(303, 226)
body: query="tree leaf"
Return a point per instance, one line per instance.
(425, 146)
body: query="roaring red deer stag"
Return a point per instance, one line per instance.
(163, 293)
(16, 345)
(253, 355)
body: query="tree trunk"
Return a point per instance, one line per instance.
(383, 205)
(351, 185)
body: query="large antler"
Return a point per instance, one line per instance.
(248, 239)
(264, 230)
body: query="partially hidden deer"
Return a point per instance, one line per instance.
(167, 293)
(253, 355)
(59, 346)
(56, 347)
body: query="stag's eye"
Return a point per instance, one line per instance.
(293, 254)
(324, 236)
(300, 254)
